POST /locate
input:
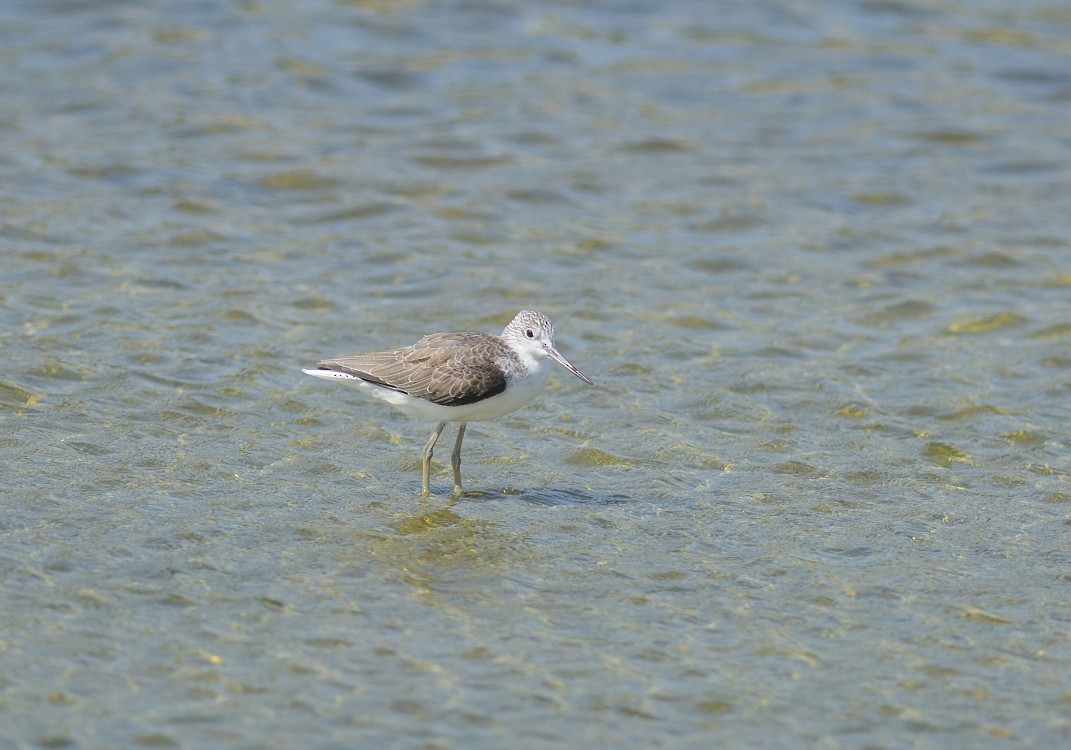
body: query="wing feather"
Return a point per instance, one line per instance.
(451, 369)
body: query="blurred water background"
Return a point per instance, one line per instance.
(814, 254)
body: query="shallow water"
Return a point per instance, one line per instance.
(813, 255)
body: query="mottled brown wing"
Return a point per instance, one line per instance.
(451, 369)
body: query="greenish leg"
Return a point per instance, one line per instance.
(427, 457)
(455, 459)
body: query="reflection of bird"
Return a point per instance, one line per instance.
(457, 377)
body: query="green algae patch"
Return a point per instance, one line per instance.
(987, 324)
(596, 457)
(943, 454)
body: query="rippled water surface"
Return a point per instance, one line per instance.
(815, 256)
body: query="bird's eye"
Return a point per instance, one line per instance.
(529, 333)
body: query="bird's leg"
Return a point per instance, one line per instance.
(427, 457)
(455, 459)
